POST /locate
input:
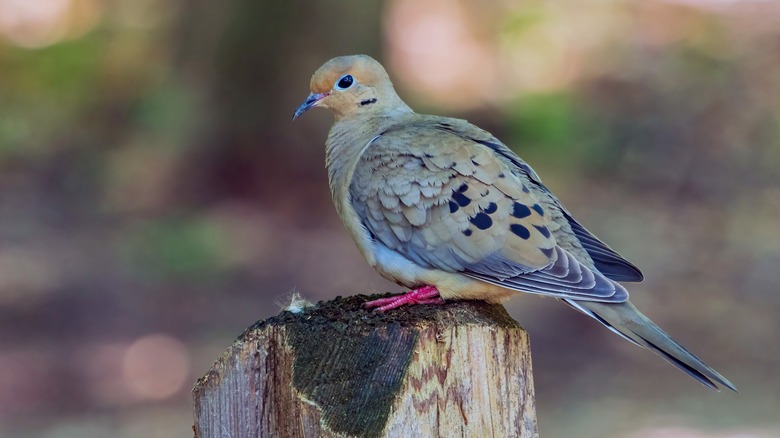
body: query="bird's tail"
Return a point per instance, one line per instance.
(625, 320)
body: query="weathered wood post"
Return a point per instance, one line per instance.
(336, 370)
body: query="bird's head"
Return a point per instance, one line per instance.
(350, 85)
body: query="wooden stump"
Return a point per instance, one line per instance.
(336, 370)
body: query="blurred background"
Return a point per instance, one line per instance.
(155, 198)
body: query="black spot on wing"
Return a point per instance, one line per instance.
(461, 199)
(538, 208)
(491, 208)
(521, 231)
(453, 206)
(520, 210)
(463, 188)
(542, 229)
(481, 221)
(467, 232)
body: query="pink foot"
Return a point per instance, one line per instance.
(423, 295)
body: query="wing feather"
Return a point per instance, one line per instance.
(607, 261)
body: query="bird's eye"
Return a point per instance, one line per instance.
(345, 82)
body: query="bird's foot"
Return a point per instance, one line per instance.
(423, 295)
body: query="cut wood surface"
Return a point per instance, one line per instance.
(336, 370)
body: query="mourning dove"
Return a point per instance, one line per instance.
(444, 208)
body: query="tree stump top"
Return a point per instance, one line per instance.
(351, 370)
(356, 319)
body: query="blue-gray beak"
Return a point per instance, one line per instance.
(308, 103)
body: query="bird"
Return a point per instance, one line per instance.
(445, 209)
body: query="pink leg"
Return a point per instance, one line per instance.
(423, 295)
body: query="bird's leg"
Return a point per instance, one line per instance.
(423, 295)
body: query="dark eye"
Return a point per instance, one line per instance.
(345, 82)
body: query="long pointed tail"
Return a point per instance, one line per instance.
(625, 320)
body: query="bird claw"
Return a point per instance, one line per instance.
(423, 295)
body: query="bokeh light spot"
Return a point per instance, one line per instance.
(422, 40)
(41, 23)
(155, 366)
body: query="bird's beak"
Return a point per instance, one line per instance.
(310, 101)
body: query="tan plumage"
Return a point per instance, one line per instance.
(434, 201)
